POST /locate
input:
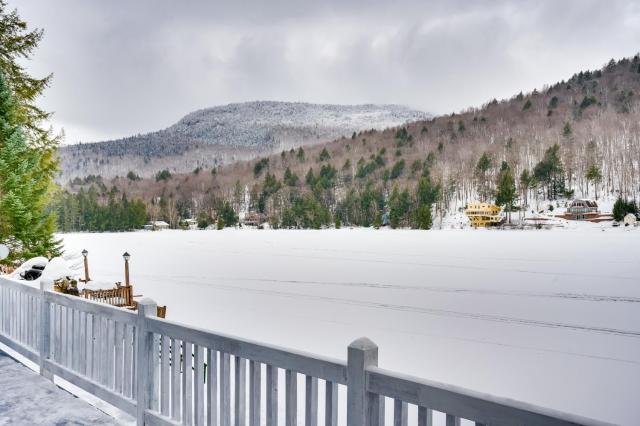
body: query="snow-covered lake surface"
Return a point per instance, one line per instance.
(547, 317)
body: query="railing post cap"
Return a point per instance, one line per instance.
(363, 344)
(147, 307)
(145, 301)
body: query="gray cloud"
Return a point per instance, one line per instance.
(126, 67)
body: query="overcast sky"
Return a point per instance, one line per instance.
(123, 67)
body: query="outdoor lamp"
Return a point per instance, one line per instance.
(85, 253)
(126, 256)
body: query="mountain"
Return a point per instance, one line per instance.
(223, 134)
(576, 138)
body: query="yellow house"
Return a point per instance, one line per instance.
(483, 214)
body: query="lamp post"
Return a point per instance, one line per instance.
(85, 253)
(126, 256)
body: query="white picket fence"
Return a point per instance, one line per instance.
(166, 373)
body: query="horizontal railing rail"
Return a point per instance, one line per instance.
(459, 403)
(166, 373)
(305, 363)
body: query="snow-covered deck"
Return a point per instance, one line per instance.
(29, 399)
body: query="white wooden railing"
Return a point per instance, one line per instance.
(165, 373)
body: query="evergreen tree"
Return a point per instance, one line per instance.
(482, 167)
(17, 43)
(300, 155)
(527, 181)
(622, 207)
(506, 189)
(550, 171)
(426, 195)
(324, 155)
(594, 175)
(290, 179)
(227, 216)
(25, 224)
(399, 207)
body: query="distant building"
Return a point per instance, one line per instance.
(582, 209)
(189, 223)
(253, 219)
(482, 215)
(157, 225)
(585, 210)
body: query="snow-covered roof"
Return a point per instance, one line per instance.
(158, 223)
(585, 202)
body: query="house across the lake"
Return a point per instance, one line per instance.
(583, 209)
(482, 215)
(156, 225)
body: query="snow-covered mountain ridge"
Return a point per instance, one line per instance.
(223, 134)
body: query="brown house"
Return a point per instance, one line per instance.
(585, 210)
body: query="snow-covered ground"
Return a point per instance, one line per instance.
(29, 399)
(550, 317)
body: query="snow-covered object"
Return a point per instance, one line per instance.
(629, 220)
(39, 262)
(56, 269)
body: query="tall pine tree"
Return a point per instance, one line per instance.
(506, 193)
(25, 224)
(25, 144)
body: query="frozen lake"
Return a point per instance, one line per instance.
(547, 317)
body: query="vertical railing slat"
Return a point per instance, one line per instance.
(331, 404)
(102, 349)
(111, 338)
(400, 416)
(198, 386)
(225, 389)
(119, 356)
(187, 383)
(70, 347)
(425, 417)
(212, 387)
(255, 386)
(154, 402)
(75, 327)
(89, 346)
(59, 335)
(63, 336)
(128, 361)
(452, 420)
(96, 324)
(240, 384)
(165, 370)
(311, 401)
(175, 379)
(82, 343)
(291, 398)
(272, 395)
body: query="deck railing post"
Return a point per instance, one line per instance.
(44, 331)
(362, 353)
(144, 366)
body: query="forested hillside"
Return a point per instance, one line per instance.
(579, 137)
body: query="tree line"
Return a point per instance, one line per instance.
(85, 211)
